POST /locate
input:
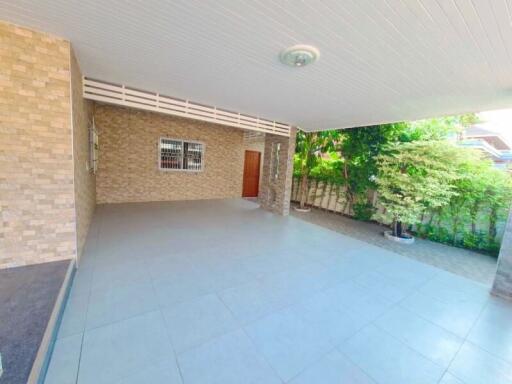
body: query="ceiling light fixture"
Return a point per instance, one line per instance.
(299, 55)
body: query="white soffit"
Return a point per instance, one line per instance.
(381, 61)
(150, 101)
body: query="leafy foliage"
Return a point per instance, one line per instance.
(309, 147)
(414, 177)
(444, 192)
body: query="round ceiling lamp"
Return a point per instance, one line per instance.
(299, 55)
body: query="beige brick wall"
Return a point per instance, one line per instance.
(128, 158)
(36, 169)
(84, 181)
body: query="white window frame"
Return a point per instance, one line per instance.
(182, 155)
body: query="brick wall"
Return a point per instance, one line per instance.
(128, 158)
(84, 179)
(36, 168)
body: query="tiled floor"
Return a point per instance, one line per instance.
(223, 292)
(473, 265)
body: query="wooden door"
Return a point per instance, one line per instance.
(251, 174)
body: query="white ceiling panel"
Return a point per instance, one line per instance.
(381, 60)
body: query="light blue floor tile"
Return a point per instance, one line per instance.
(370, 308)
(454, 289)
(346, 295)
(378, 284)
(251, 301)
(119, 302)
(194, 322)
(300, 291)
(493, 330)
(340, 271)
(163, 372)
(457, 319)
(328, 318)
(334, 368)
(74, 317)
(223, 272)
(64, 362)
(288, 342)
(448, 378)
(476, 366)
(82, 281)
(120, 271)
(170, 267)
(295, 284)
(228, 359)
(407, 273)
(118, 350)
(181, 288)
(265, 264)
(387, 360)
(431, 341)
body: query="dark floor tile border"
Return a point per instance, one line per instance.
(44, 353)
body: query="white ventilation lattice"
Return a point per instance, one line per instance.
(129, 97)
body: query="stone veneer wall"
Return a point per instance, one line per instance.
(36, 165)
(128, 158)
(503, 281)
(275, 194)
(85, 181)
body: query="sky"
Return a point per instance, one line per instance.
(499, 121)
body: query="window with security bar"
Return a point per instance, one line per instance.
(180, 155)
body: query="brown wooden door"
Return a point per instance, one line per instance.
(251, 174)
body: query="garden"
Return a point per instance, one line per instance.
(410, 176)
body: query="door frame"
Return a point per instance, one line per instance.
(259, 173)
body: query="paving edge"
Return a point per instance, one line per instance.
(40, 365)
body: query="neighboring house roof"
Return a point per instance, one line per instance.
(492, 143)
(485, 132)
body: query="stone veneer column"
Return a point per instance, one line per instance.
(503, 281)
(276, 187)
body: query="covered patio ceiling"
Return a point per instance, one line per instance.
(381, 61)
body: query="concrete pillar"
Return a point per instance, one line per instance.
(503, 281)
(276, 183)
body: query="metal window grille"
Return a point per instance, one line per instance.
(193, 158)
(181, 155)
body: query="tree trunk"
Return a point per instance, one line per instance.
(315, 191)
(455, 229)
(431, 219)
(330, 196)
(322, 197)
(397, 230)
(337, 197)
(303, 191)
(493, 218)
(474, 215)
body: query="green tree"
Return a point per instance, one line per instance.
(309, 147)
(438, 128)
(470, 189)
(498, 197)
(358, 149)
(413, 177)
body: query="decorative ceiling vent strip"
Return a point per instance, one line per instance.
(149, 101)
